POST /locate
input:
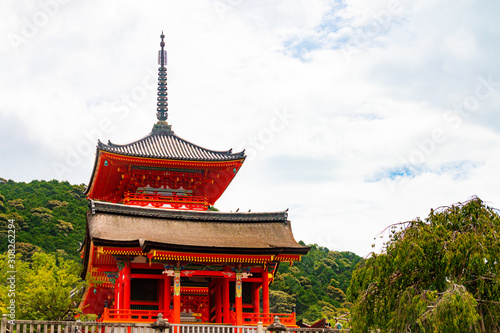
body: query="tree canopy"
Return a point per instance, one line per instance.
(47, 288)
(441, 274)
(316, 285)
(48, 214)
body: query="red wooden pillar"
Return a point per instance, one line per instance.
(167, 294)
(239, 300)
(225, 300)
(126, 286)
(177, 297)
(256, 298)
(218, 302)
(265, 290)
(116, 301)
(120, 292)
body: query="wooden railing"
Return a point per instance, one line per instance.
(287, 319)
(36, 326)
(149, 316)
(133, 316)
(175, 201)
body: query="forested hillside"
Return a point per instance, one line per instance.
(48, 214)
(317, 285)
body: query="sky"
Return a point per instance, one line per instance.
(354, 114)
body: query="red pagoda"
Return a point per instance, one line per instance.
(153, 245)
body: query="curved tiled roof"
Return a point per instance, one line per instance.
(186, 215)
(206, 232)
(169, 146)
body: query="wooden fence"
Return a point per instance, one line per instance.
(38, 326)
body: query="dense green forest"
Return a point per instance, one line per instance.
(50, 216)
(317, 284)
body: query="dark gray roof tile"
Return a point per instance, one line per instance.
(169, 146)
(207, 232)
(187, 215)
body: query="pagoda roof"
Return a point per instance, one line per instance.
(167, 145)
(119, 225)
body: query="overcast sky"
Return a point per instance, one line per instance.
(354, 114)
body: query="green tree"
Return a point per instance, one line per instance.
(455, 311)
(45, 289)
(2, 205)
(317, 283)
(437, 275)
(47, 214)
(280, 302)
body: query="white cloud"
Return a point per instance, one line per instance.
(363, 85)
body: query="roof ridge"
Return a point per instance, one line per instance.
(184, 148)
(188, 215)
(133, 142)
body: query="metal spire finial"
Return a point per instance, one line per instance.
(162, 104)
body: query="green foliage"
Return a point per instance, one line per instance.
(47, 214)
(455, 312)
(64, 226)
(317, 284)
(437, 275)
(54, 204)
(4, 222)
(27, 250)
(17, 203)
(335, 294)
(40, 210)
(85, 317)
(280, 302)
(44, 289)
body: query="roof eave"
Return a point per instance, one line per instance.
(148, 246)
(188, 215)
